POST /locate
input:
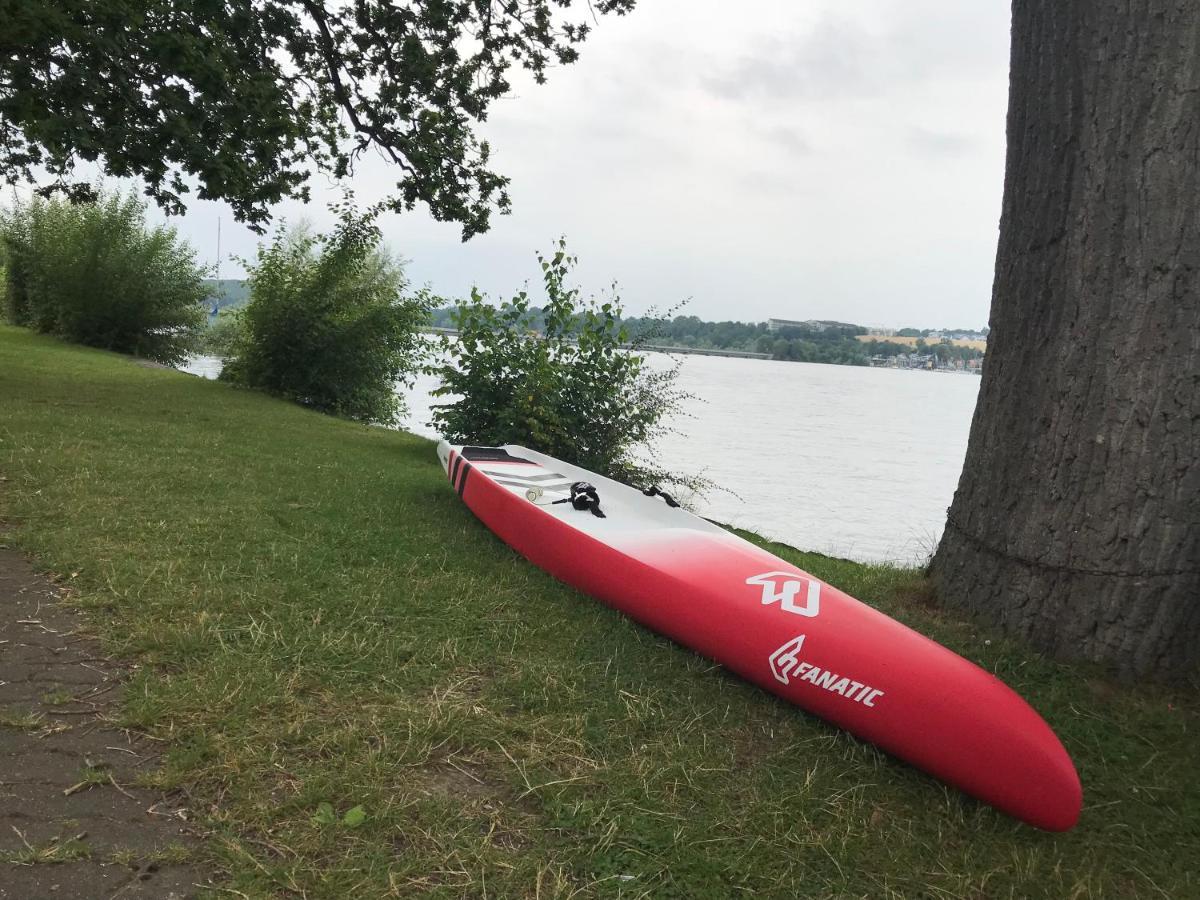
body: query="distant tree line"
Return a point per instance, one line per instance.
(844, 349)
(691, 331)
(944, 351)
(833, 345)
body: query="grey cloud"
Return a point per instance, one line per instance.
(941, 143)
(840, 59)
(774, 183)
(828, 62)
(789, 140)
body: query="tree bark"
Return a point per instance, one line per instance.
(1076, 524)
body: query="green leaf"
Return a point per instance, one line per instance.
(354, 817)
(324, 814)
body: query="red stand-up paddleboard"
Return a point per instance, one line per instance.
(778, 626)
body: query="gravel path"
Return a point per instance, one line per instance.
(73, 823)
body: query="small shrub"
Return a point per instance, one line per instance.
(327, 324)
(222, 335)
(97, 274)
(576, 388)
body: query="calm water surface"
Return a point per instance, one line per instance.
(850, 461)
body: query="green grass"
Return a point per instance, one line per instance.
(45, 854)
(319, 620)
(19, 720)
(173, 854)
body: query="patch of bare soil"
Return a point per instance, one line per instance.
(73, 823)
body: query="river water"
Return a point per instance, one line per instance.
(850, 461)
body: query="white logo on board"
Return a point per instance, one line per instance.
(786, 665)
(785, 660)
(782, 588)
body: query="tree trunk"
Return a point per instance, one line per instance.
(1076, 524)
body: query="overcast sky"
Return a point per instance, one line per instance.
(803, 159)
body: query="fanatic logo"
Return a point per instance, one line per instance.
(783, 587)
(785, 660)
(786, 665)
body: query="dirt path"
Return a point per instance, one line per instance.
(73, 823)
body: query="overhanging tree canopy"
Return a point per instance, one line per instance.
(248, 97)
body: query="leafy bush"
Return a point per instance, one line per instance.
(97, 274)
(327, 325)
(223, 334)
(578, 390)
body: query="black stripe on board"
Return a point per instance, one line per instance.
(462, 481)
(454, 466)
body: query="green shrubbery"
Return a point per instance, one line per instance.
(328, 325)
(97, 274)
(223, 334)
(577, 390)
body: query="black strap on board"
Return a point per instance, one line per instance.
(655, 492)
(584, 496)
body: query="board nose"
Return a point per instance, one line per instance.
(1059, 794)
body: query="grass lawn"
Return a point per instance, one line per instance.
(323, 628)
